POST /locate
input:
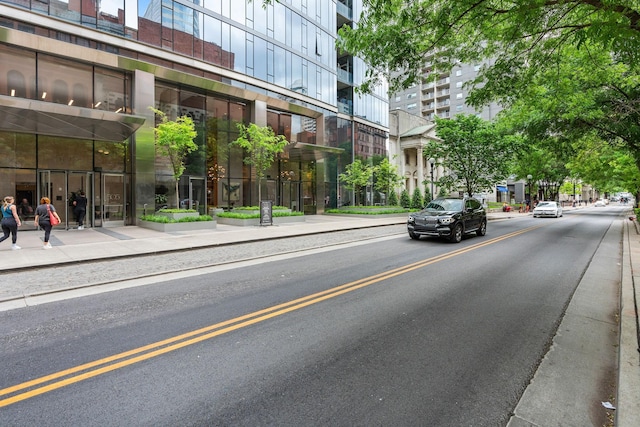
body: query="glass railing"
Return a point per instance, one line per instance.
(344, 10)
(345, 76)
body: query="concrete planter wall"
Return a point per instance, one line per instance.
(256, 221)
(178, 226)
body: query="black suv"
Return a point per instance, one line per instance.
(449, 217)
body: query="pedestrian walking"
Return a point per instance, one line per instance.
(44, 212)
(80, 209)
(10, 221)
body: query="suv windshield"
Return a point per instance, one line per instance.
(445, 205)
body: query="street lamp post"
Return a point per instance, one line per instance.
(529, 177)
(432, 162)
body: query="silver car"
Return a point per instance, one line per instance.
(552, 209)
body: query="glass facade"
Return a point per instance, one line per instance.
(221, 62)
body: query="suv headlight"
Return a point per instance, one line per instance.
(411, 219)
(445, 221)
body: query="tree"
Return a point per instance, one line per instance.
(516, 43)
(514, 38)
(174, 139)
(262, 146)
(386, 178)
(356, 176)
(405, 201)
(393, 198)
(476, 155)
(427, 193)
(416, 200)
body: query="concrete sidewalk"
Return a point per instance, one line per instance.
(567, 387)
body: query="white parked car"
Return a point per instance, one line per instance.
(599, 203)
(552, 209)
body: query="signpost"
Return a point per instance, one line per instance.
(266, 212)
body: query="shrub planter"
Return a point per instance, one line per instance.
(177, 226)
(178, 215)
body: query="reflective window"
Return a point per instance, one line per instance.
(295, 29)
(280, 63)
(260, 58)
(17, 72)
(110, 156)
(62, 10)
(212, 40)
(111, 91)
(259, 17)
(17, 150)
(238, 11)
(131, 14)
(64, 153)
(227, 58)
(279, 23)
(61, 81)
(213, 5)
(89, 11)
(238, 52)
(111, 16)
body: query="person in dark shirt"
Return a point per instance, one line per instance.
(80, 209)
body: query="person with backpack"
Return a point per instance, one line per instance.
(10, 221)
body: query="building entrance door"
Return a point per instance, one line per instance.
(290, 195)
(61, 188)
(193, 194)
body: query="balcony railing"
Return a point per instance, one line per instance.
(345, 76)
(345, 10)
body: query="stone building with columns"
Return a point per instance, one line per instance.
(409, 136)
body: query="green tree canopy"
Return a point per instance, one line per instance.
(585, 107)
(262, 146)
(386, 177)
(174, 139)
(474, 154)
(356, 176)
(516, 38)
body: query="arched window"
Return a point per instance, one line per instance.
(60, 92)
(16, 84)
(80, 98)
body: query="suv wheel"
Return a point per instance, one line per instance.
(483, 228)
(414, 236)
(456, 233)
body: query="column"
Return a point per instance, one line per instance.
(420, 170)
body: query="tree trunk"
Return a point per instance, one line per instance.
(177, 195)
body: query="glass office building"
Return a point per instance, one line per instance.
(78, 79)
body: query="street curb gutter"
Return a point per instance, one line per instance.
(628, 408)
(578, 372)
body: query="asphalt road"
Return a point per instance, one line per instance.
(377, 332)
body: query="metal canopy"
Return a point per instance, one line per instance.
(302, 151)
(45, 118)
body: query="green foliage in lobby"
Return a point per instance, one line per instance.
(356, 176)
(261, 146)
(174, 139)
(386, 179)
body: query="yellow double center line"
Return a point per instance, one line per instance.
(79, 373)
